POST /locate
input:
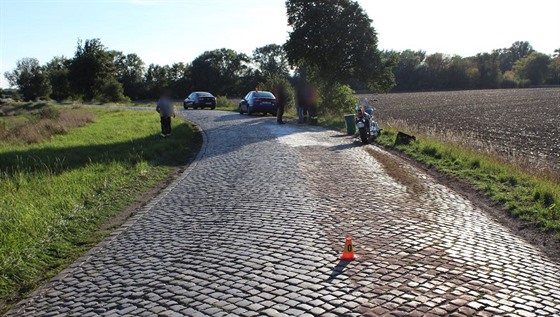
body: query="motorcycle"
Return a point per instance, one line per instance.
(367, 127)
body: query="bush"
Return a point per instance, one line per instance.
(224, 102)
(112, 91)
(49, 112)
(337, 99)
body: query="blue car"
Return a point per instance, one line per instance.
(258, 101)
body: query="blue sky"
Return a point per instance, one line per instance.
(163, 32)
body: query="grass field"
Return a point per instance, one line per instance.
(58, 191)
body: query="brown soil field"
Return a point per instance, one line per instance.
(523, 124)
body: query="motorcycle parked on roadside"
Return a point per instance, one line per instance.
(368, 129)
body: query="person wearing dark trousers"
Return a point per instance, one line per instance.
(166, 111)
(280, 93)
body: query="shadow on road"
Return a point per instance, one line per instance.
(338, 269)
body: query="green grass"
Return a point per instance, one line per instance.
(534, 199)
(57, 193)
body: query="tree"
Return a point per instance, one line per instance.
(335, 38)
(156, 80)
(489, 71)
(130, 73)
(456, 75)
(409, 70)
(58, 72)
(271, 60)
(508, 56)
(554, 70)
(92, 68)
(179, 78)
(336, 44)
(435, 67)
(30, 78)
(219, 71)
(534, 67)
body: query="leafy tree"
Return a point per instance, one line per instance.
(156, 79)
(435, 67)
(30, 78)
(130, 73)
(220, 71)
(91, 68)
(534, 67)
(489, 71)
(508, 56)
(179, 79)
(335, 38)
(456, 75)
(520, 49)
(336, 44)
(58, 72)
(409, 69)
(554, 70)
(271, 60)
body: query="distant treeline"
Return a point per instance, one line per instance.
(515, 67)
(96, 73)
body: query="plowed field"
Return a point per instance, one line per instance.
(522, 123)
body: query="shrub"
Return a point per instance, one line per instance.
(224, 102)
(337, 99)
(49, 112)
(112, 91)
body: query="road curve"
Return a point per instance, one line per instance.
(256, 224)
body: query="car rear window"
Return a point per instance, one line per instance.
(263, 94)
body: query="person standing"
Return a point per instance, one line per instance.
(280, 93)
(166, 111)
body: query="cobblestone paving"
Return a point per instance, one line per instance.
(255, 226)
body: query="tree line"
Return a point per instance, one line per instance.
(518, 66)
(96, 73)
(332, 45)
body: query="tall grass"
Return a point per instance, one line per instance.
(57, 193)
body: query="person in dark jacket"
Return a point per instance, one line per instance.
(166, 111)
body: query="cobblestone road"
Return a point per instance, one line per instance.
(254, 228)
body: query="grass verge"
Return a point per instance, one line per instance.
(56, 194)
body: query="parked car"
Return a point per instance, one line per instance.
(200, 99)
(258, 101)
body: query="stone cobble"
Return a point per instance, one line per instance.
(254, 228)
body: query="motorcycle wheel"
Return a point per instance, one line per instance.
(363, 136)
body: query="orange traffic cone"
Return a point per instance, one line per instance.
(348, 254)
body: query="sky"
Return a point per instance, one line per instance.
(167, 31)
